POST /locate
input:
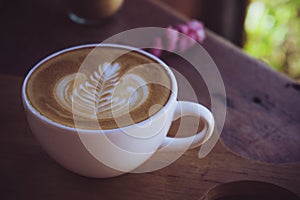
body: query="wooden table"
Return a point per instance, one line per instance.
(262, 121)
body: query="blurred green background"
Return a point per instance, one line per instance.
(273, 34)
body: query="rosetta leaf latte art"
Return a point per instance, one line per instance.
(98, 89)
(100, 94)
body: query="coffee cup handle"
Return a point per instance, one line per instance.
(184, 108)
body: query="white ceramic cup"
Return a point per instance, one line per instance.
(109, 153)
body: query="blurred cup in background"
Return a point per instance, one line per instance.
(92, 12)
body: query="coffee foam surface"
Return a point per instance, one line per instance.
(112, 87)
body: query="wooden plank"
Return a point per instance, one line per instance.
(27, 172)
(262, 122)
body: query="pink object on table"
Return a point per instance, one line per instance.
(157, 47)
(174, 41)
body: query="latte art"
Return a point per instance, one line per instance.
(98, 88)
(101, 94)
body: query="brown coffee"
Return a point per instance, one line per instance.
(111, 86)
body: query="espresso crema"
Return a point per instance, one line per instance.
(98, 88)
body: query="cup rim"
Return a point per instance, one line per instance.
(172, 98)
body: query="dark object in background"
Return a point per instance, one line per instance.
(225, 18)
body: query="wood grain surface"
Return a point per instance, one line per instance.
(27, 172)
(262, 121)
